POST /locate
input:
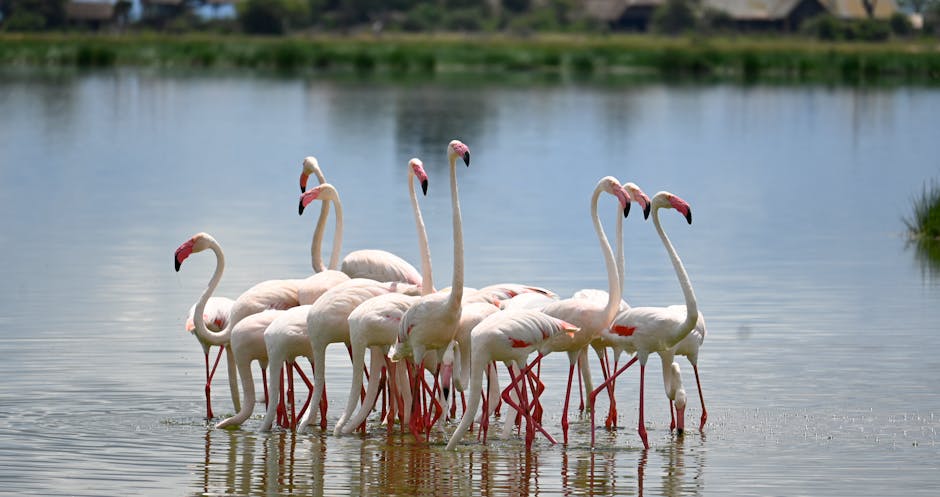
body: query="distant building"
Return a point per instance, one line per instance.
(92, 14)
(784, 15)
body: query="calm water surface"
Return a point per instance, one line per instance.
(820, 367)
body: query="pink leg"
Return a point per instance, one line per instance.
(564, 410)
(580, 395)
(593, 395)
(290, 394)
(642, 425)
(416, 423)
(303, 377)
(699, 384)
(672, 416)
(209, 375)
(524, 409)
(281, 407)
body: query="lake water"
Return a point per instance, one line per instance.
(821, 363)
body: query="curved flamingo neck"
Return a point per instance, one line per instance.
(613, 276)
(316, 247)
(691, 307)
(456, 289)
(427, 280)
(337, 235)
(199, 320)
(621, 264)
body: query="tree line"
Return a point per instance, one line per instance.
(277, 17)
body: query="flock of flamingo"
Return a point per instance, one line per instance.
(427, 345)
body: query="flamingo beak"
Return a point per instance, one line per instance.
(447, 374)
(626, 209)
(424, 186)
(680, 420)
(303, 181)
(688, 215)
(646, 210)
(300, 207)
(466, 158)
(181, 254)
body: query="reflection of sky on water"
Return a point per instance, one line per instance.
(813, 302)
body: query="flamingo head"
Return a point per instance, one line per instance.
(637, 195)
(417, 168)
(456, 148)
(610, 185)
(323, 192)
(680, 399)
(198, 243)
(667, 200)
(311, 166)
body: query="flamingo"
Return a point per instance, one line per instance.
(431, 323)
(216, 317)
(328, 322)
(672, 382)
(247, 345)
(374, 324)
(270, 294)
(507, 336)
(587, 313)
(284, 340)
(653, 329)
(378, 265)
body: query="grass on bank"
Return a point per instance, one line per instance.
(741, 58)
(924, 220)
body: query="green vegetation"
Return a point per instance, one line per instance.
(604, 57)
(924, 221)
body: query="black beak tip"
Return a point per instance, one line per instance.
(303, 188)
(626, 210)
(176, 264)
(646, 212)
(688, 216)
(424, 187)
(300, 208)
(446, 392)
(466, 158)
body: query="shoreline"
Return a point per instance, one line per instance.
(693, 58)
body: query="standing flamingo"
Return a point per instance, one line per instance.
(675, 392)
(654, 329)
(507, 336)
(247, 345)
(284, 340)
(587, 313)
(431, 323)
(374, 324)
(270, 294)
(378, 265)
(328, 322)
(216, 317)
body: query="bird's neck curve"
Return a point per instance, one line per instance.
(199, 320)
(427, 280)
(691, 307)
(316, 247)
(613, 275)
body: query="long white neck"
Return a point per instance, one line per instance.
(621, 265)
(456, 288)
(691, 308)
(199, 320)
(427, 281)
(613, 276)
(316, 254)
(337, 235)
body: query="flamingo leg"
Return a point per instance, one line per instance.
(281, 409)
(641, 428)
(290, 393)
(264, 379)
(593, 394)
(438, 408)
(416, 374)
(303, 377)
(580, 394)
(700, 396)
(672, 416)
(611, 420)
(514, 384)
(564, 410)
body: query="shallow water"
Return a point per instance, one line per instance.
(819, 367)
